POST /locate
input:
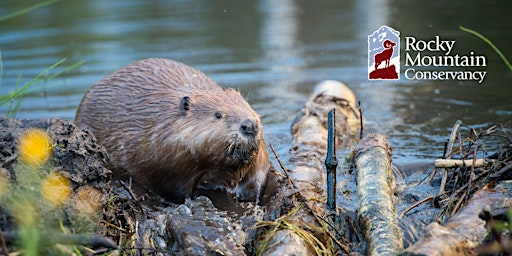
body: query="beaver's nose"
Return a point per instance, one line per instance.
(249, 127)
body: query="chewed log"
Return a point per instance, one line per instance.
(464, 231)
(375, 186)
(306, 197)
(451, 163)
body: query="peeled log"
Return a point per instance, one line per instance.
(464, 231)
(452, 163)
(375, 186)
(308, 175)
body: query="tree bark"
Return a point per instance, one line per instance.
(464, 231)
(375, 189)
(303, 204)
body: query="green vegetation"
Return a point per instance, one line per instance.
(489, 43)
(32, 198)
(27, 9)
(13, 98)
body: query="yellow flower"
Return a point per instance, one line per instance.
(56, 189)
(34, 148)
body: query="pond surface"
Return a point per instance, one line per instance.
(274, 52)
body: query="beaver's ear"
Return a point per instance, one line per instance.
(184, 105)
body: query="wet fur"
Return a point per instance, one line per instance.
(159, 120)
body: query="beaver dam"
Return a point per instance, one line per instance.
(343, 195)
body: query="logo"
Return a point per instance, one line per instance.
(436, 59)
(384, 54)
(433, 58)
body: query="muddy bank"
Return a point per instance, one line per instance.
(71, 187)
(109, 213)
(97, 215)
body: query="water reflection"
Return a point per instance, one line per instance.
(272, 51)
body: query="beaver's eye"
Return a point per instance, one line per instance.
(218, 115)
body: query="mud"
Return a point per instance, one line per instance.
(138, 223)
(75, 152)
(76, 156)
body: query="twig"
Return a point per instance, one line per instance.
(501, 171)
(472, 173)
(360, 120)
(459, 203)
(445, 151)
(330, 161)
(280, 163)
(342, 246)
(444, 178)
(448, 153)
(76, 239)
(132, 195)
(453, 137)
(4, 245)
(461, 189)
(415, 205)
(469, 178)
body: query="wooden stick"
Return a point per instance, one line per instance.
(279, 161)
(330, 161)
(452, 163)
(415, 205)
(4, 245)
(453, 137)
(360, 121)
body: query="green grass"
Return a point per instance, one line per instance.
(21, 198)
(13, 98)
(489, 43)
(27, 9)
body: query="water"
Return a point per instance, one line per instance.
(273, 52)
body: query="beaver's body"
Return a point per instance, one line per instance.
(174, 129)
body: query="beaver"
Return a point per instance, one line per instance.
(175, 131)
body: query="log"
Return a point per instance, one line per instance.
(452, 163)
(375, 189)
(302, 206)
(464, 231)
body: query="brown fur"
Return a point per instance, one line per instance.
(159, 120)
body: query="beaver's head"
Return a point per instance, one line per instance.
(213, 135)
(222, 126)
